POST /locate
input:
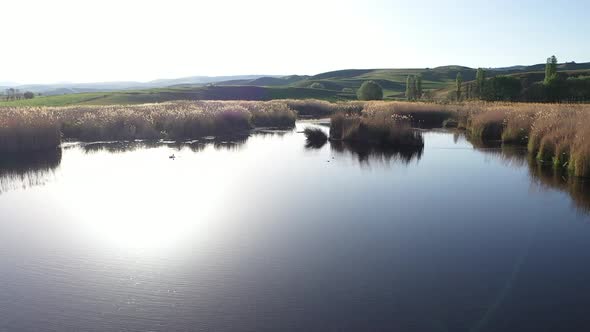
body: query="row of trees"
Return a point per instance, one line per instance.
(414, 87)
(16, 94)
(553, 87)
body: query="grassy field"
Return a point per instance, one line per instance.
(182, 93)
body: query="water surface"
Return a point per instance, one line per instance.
(266, 234)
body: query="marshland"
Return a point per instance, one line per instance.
(288, 166)
(554, 134)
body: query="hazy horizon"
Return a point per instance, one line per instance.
(109, 41)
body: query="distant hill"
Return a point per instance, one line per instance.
(67, 88)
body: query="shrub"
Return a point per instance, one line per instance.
(370, 90)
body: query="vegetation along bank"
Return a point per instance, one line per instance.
(553, 133)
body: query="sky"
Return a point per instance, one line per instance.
(141, 40)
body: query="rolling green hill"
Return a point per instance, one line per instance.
(336, 85)
(393, 81)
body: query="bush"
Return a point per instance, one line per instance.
(370, 90)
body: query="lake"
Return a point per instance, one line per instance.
(267, 234)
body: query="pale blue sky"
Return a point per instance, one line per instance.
(108, 40)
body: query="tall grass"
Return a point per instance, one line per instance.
(312, 108)
(29, 129)
(553, 133)
(271, 114)
(375, 127)
(26, 129)
(421, 115)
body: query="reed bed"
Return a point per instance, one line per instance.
(311, 108)
(420, 115)
(553, 133)
(377, 128)
(26, 129)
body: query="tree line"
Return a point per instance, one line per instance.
(16, 94)
(530, 87)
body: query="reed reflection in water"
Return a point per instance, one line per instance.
(25, 170)
(543, 176)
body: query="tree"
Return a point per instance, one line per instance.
(370, 90)
(507, 88)
(29, 95)
(480, 79)
(418, 82)
(459, 83)
(411, 88)
(550, 70)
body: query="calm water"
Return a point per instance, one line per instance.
(266, 234)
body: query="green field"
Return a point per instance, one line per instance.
(182, 93)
